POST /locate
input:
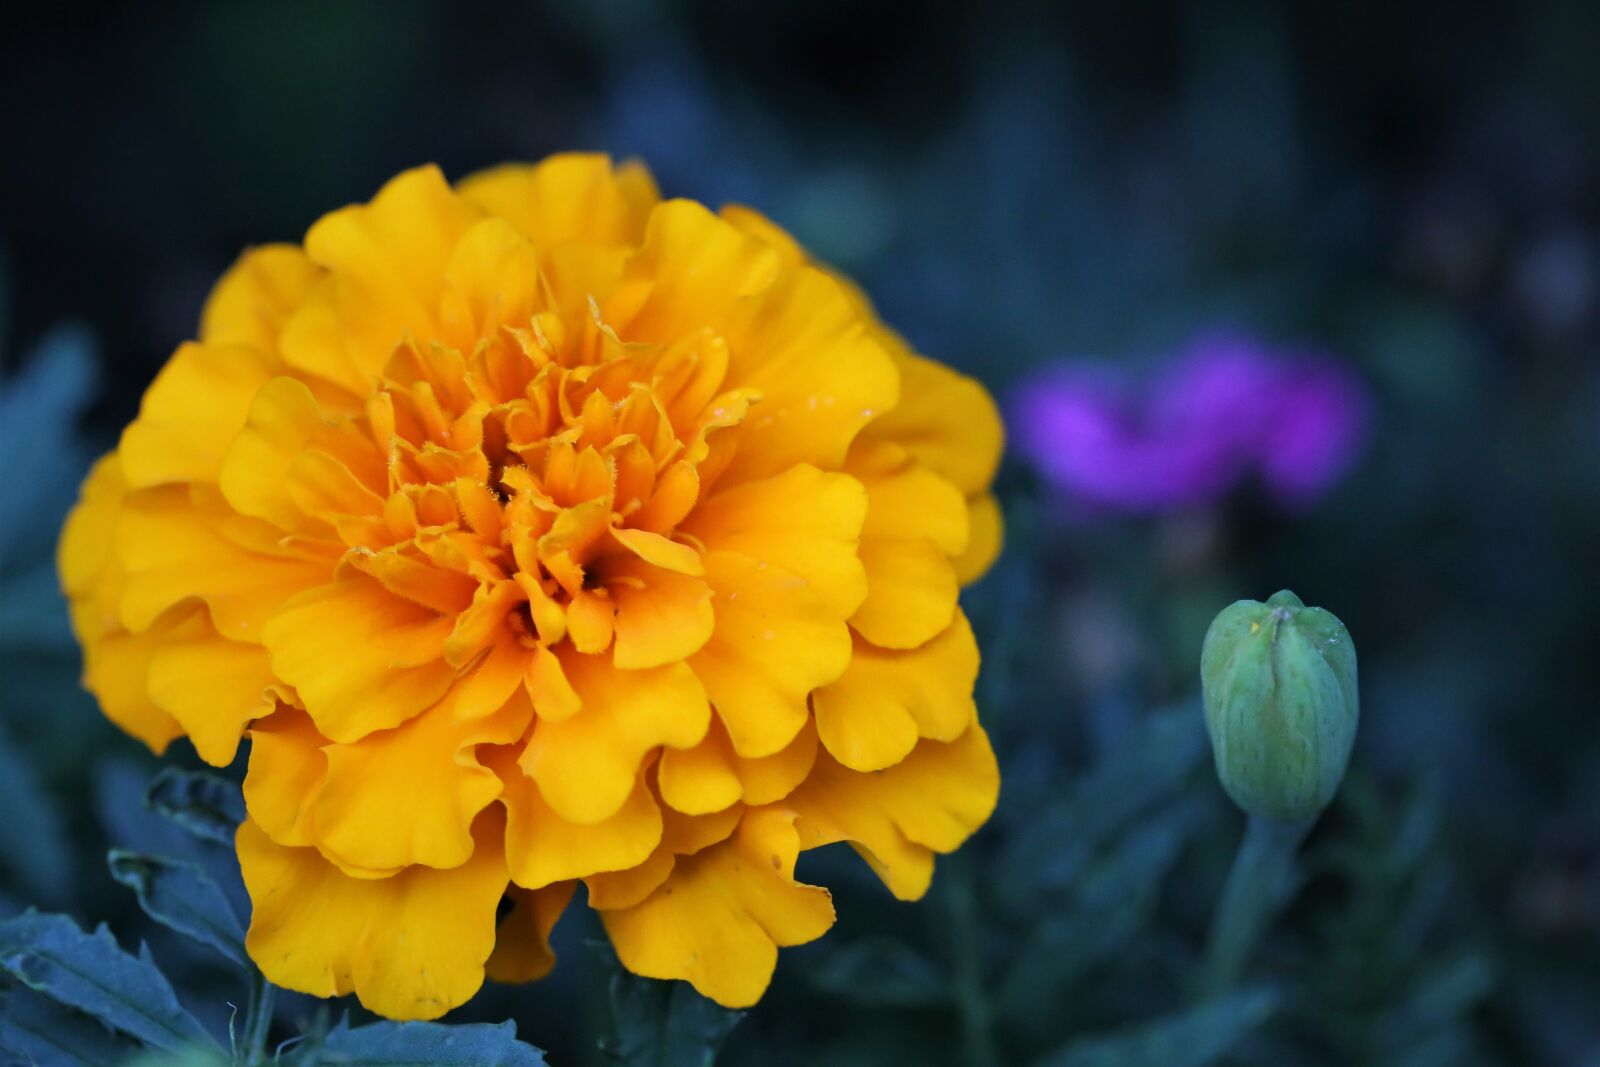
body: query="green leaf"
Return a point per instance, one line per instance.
(182, 896)
(207, 806)
(662, 1024)
(388, 1044)
(90, 972)
(881, 971)
(36, 1030)
(1194, 1038)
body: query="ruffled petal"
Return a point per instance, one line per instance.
(522, 951)
(250, 302)
(681, 835)
(897, 818)
(988, 535)
(191, 412)
(542, 847)
(361, 658)
(587, 765)
(775, 641)
(574, 196)
(410, 946)
(719, 918)
(803, 520)
(911, 593)
(872, 717)
(410, 794)
(287, 765)
(213, 687)
(945, 419)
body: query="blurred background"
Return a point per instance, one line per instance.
(1274, 295)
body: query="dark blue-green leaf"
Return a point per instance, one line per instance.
(389, 1044)
(36, 1030)
(183, 897)
(1193, 1038)
(662, 1024)
(207, 806)
(90, 972)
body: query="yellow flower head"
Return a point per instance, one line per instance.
(540, 531)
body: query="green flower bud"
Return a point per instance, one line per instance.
(1279, 681)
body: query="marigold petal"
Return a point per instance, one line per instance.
(898, 817)
(212, 686)
(662, 616)
(803, 520)
(522, 951)
(821, 374)
(191, 412)
(542, 847)
(719, 918)
(681, 835)
(691, 269)
(886, 699)
(361, 658)
(775, 641)
(574, 196)
(586, 766)
(410, 946)
(250, 302)
(286, 769)
(911, 593)
(410, 794)
(171, 549)
(988, 535)
(116, 669)
(945, 419)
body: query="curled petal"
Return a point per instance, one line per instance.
(587, 765)
(522, 951)
(872, 717)
(899, 817)
(719, 918)
(410, 946)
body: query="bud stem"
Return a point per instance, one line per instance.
(1258, 887)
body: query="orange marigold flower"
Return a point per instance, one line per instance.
(538, 531)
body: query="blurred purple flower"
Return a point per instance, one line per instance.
(1225, 410)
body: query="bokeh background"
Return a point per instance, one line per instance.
(1412, 192)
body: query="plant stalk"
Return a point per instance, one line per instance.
(1258, 887)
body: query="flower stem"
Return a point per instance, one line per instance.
(259, 1022)
(977, 1027)
(1258, 887)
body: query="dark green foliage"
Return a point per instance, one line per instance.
(660, 1024)
(419, 1045)
(183, 897)
(35, 1029)
(207, 806)
(90, 973)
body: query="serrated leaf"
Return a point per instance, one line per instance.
(91, 973)
(662, 1024)
(881, 971)
(183, 897)
(1194, 1038)
(36, 1030)
(207, 806)
(388, 1044)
